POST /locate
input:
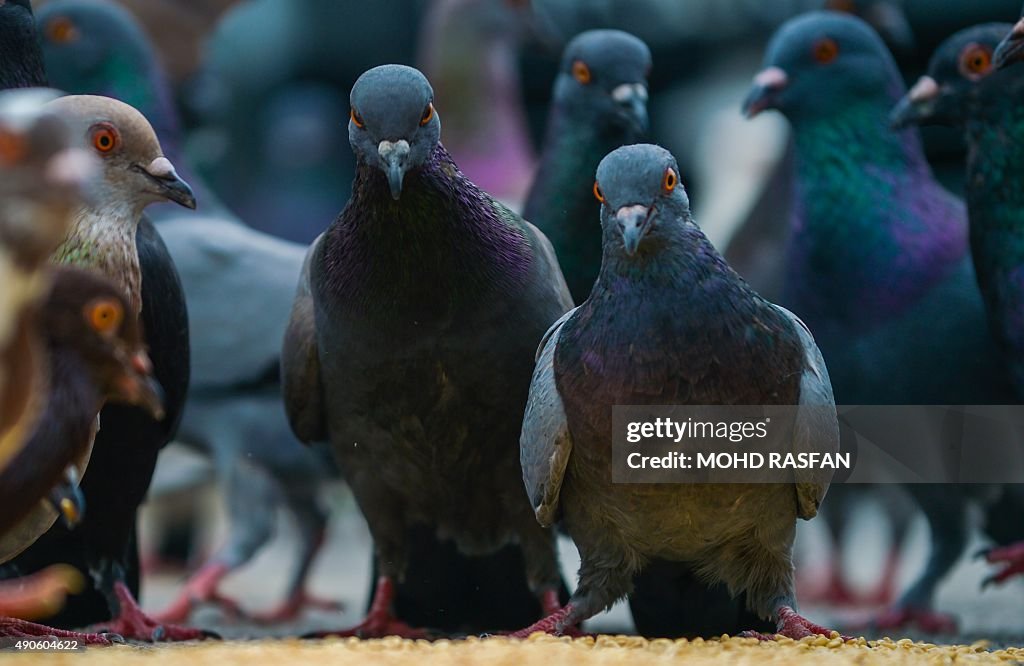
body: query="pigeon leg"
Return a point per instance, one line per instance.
(793, 625)
(252, 494)
(14, 628)
(312, 523)
(380, 620)
(132, 623)
(598, 588)
(1012, 557)
(201, 588)
(40, 595)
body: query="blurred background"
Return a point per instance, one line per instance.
(259, 92)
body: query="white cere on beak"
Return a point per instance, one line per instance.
(399, 148)
(631, 212)
(162, 168)
(629, 91)
(925, 89)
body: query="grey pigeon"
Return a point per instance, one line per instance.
(669, 322)
(411, 344)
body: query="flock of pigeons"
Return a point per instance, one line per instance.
(433, 342)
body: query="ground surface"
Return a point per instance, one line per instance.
(602, 650)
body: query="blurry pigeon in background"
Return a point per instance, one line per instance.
(600, 103)
(234, 413)
(962, 88)
(877, 261)
(95, 354)
(411, 341)
(469, 50)
(110, 236)
(43, 174)
(696, 334)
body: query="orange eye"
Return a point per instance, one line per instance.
(825, 50)
(357, 120)
(428, 113)
(598, 194)
(61, 30)
(670, 181)
(105, 316)
(581, 72)
(12, 147)
(975, 61)
(104, 138)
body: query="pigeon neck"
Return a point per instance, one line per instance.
(104, 241)
(657, 323)
(442, 244)
(995, 199)
(872, 232)
(561, 199)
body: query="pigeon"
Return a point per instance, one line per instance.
(963, 88)
(43, 174)
(665, 302)
(234, 413)
(600, 103)
(95, 354)
(109, 235)
(410, 345)
(878, 256)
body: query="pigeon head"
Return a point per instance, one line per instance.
(392, 124)
(961, 71)
(1011, 49)
(86, 313)
(603, 76)
(44, 174)
(134, 171)
(90, 46)
(642, 200)
(819, 64)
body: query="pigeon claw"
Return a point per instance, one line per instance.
(1012, 559)
(14, 628)
(795, 626)
(133, 624)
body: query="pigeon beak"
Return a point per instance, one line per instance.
(66, 498)
(1011, 49)
(169, 183)
(634, 222)
(138, 387)
(632, 101)
(917, 106)
(765, 90)
(393, 159)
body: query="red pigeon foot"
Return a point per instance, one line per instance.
(13, 628)
(133, 624)
(795, 626)
(292, 608)
(201, 588)
(1012, 559)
